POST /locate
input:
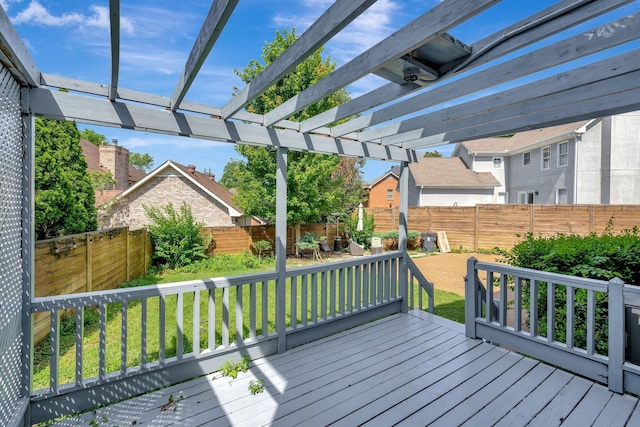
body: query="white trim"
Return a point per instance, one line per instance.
(543, 158)
(523, 158)
(566, 154)
(558, 196)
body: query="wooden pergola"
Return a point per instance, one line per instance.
(427, 68)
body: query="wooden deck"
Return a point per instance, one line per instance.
(412, 370)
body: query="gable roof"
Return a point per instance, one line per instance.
(394, 172)
(449, 172)
(201, 180)
(521, 140)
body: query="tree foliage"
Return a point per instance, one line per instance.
(64, 197)
(317, 184)
(100, 180)
(93, 137)
(142, 162)
(434, 153)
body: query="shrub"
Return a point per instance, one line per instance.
(362, 237)
(597, 257)
(175, 235)
(262, 246)
(309, 241)
(392, 237)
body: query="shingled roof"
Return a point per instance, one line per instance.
(449, 172)
(520, 139)
(92, 155)
(209, 183)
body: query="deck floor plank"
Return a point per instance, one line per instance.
(412, 369)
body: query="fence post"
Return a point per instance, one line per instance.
(616, 335)
(89, 251)
(128, 256)
(470, 298)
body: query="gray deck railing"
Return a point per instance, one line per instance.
(575, 323)
(201, 323)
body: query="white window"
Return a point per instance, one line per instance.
(389, 194)
(563, 154)
(526, 197)
(526, 158)
(561, 196)
(497, 162)
(546, 157)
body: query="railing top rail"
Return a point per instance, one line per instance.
(126, 294)
(543, 276)
(319, 268)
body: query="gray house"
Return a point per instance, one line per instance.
(587, 162)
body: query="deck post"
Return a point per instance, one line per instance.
(281, 247)
(616, 335)
(470, 298)
(402, 234)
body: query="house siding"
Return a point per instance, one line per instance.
(624, 172)
(455, 197)
(154, 193)
(378, 193)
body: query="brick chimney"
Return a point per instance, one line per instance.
(212, 177)
(116, 160)
(191, 169)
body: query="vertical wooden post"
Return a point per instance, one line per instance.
(592, 219)
(470, 299)
(616, 335)
(475, 229)
(531, 219)
(128, 253)
(281, 247)
(89, 263)
(402, 235)
(144, 249)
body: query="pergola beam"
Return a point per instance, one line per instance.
(436, 21)
(211, 29)
(84, 109)
(15, 56)
(566, 14)
(579, 46)
(557, 87)
(114, 18)
(341, 13)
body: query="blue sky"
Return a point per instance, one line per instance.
(71, 38)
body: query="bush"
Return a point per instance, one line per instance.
(262, 246)
(362, 237)
(175, 235)
(308, 242)
(392, 237)
(597, 257)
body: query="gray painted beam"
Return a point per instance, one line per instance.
(211, 29)
(584, 44)
(403, 233)
(281, 248)
(341, 13)
(573, 13)
(114, 11)
(67, 106)
(469, 113)
(14, 55)
(437, 20)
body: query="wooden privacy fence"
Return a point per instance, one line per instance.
(94, 261)
(488, 226)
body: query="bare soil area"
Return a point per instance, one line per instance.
(447, 271)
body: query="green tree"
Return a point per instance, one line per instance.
(317, 184)
(93, 137)
(100, 180)
(434, 153)
(64, 197)
(142, 162)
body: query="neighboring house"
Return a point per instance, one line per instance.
(115, 160)
(210, 202)
(447, 181)
(383, 192)
(587, 162)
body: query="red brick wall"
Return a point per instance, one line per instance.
(378, 193)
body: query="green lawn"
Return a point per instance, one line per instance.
(448, 305)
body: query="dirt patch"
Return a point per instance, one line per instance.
(447, 271)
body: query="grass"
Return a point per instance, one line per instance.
(448, 305)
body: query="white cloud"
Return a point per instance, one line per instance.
(37, 14)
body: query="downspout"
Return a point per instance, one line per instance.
(402, 234)
(281, 246)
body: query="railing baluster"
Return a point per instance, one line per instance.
(211, 319)
(162, 338)
(533, 308)
(123, 337)
(591, 321)
(341, 290)
(79, 344)
(304, 313)
(382, 284)
(332, 293)
(394, 278)
(366, 288)
(358, 287)
(517, 304)
(314, 297)
(416, 284)
(551, 311)
(102, 363)
(372, 283)
(180, 326)
(489, 297)
(323, 295)
(54, 350)
(503, 300)
(252, 311)
(570, 315)
(350, 289)
(265, 309)
(239, 318)
(143, 333)
(225, 317)
(196, 323)
(294, 302)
